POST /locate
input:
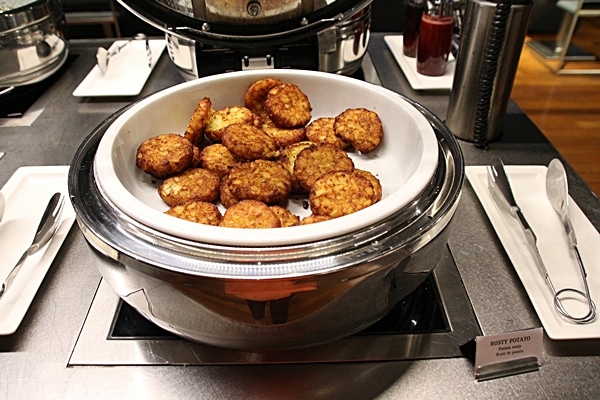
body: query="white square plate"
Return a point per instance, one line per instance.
(408, 65)
(27, 194)
(127, 71)
(529, 186)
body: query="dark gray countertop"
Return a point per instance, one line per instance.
(34, 359)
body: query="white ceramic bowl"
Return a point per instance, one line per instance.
(404, 162)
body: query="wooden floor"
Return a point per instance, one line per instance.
(566, 108)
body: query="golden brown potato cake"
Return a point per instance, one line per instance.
(283, 136)
(313, 219)
(218, 159)
(197, 211)
(286, 217)
(340, 193)
(374, 181)
(164, 155)
(262, 180)
(225, 195)
(195, 129)
(196, 159)
(287, 106)
(192, 184)
(361, 127)
(321, 131)
(249, 142)
(257, 93)
(224, 117)
(287, 158)
(250, 214)
(314, 161)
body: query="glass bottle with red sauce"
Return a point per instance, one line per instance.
(435, 38)
(412, 21)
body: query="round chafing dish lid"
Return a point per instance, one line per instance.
(243, 22)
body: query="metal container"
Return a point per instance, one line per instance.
(269, 297)
(32, 43)
(207, 37)
(490, 46)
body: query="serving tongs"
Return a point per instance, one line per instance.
(103, 56)
(503, 196)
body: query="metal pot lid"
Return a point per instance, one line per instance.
(9, 5)
(244, 23)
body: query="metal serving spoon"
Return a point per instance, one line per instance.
(557, 190)
(46, 229)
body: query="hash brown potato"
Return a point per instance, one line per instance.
(314, 161)
(321, 131)
(361, 127)
(198, 211)
(226, 116)
(164, 155)
(249, 142)
(313, 219)
(283, 136)
(255, 96)
(374, 181)
(287, 106)
(250, 214)
(286, 217)
(192, 184)
(287, 158)
(218, 159)
(195, 128)
(225, 195)
(262, 180)
(340, 193)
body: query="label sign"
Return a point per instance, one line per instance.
(508, 353)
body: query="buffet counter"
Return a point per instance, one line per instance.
(35, 359)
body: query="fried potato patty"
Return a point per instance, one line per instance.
(321, 131)
(340, 193)
(249, 142)
(218, 159)
(314, 161)
(286, 217)
(287, 106)
(201, 212)
(225, 195)
(374, 181)
(361, 127)
(195, 129)
(262, 180)
(224, 117)
(313, 219)
(250, 214)
(164, 155)
(192, 184)
(287, 158)
(255, 96)
(283, 136)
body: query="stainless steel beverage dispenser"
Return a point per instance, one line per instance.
(491, 41)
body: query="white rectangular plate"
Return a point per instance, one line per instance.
(529, 186)
(27, 194)
(127, 71)
(408, 65)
